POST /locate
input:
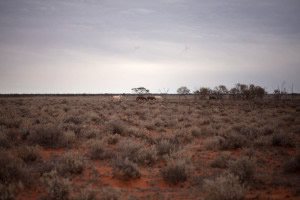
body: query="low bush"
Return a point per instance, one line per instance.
(86, 195)
(12, 170)
(116, 127)
(10, 123)
(7, 192)
(98, 149)
(128, 148)
(124, 168)
(248, 152)
(234, 141)
(48, 165)
(109, 193)
(213, 143)
(29, 153)
(146, 156)
(4, 143)
(183, 136)
(292, 165)
(69, 138)
(72, 162)
(225, 187)
(166, 147)
(282, 139)
(244, 168)
(77, 129)
(112, 139)
(74, 120)
(136, 132)
(262, 142)
(176, 171)
(57, 188)
(50, 137)
(137, 152)
(249, 132)
(221, 161)
(196, 132)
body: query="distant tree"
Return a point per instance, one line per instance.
(259, 92)
(183, 91)
(219, 91)
(234, 92)
(203, 92)
(140, 91)
(279, 93)
(243, 91)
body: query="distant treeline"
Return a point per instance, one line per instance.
(108, 94)
(239, 91)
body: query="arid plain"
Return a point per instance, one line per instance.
(95, 148)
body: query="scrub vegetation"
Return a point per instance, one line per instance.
(209, 145)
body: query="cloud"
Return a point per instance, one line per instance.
(175, 42)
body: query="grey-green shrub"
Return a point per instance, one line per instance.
(146, 155)
(97, 149)
(86, 195)
(283, 139)
(244, 168)
(292, 165)
(178, 169)
(221, 161)
(12, 170)
(72, 162)
(124, 168)
(109, 193)
(225, 187)
(7, 192)
(29, 153)
(57, 188)
(49, 137)
(166, 147)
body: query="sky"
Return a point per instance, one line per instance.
(111, 46)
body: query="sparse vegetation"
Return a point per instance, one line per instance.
(98, 149)
(293, 165)
(29, 153)
(244, 168)
(178, 169)
(72, 162)
(217, 146)
(109, 193)
(125, 169)
(221, 160)
(166, 147)
(225, 187)
(283, 139)
(49, 137)
(58, 188)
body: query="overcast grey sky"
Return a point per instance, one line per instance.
(111, 46)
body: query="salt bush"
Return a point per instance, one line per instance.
(225, 187)
(72, 162)
(244, 168)
(57, 188)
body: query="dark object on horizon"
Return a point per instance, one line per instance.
(141, 98)
(151, 98)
